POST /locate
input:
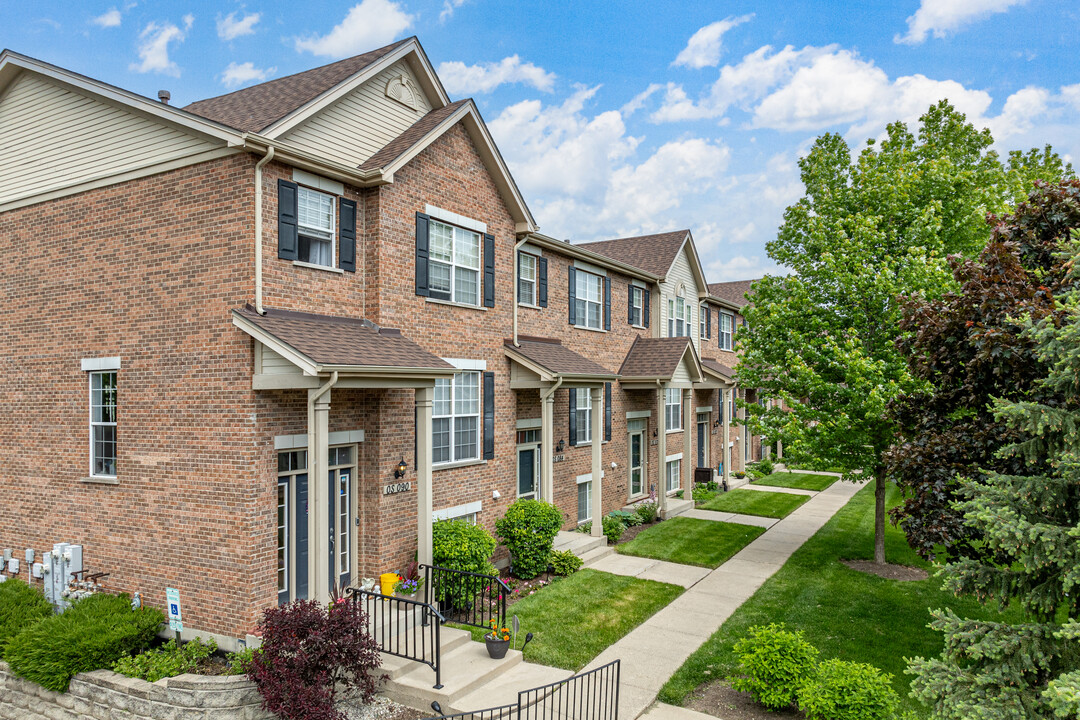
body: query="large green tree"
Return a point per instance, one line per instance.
(1030, 526)
(867, 231)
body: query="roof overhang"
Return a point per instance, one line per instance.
(537, 375)
(725, 304)
(579, 253)
(690, 249)
(688, 359)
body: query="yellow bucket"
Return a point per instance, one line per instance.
(387, 582)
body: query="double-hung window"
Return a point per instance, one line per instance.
(673, 473)
(703, 321)
(527, 279)
(583, 416)
(454, 263)
(315, 227)
(456, 418)
(678, 318)
(672, 411)
(103, 424)
(727, 328)
(588, 300)
(584, 501)
(637, 306)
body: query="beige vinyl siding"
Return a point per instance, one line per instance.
(681, 273)
(681, 374)
(358, 125)
(275, 364)
(52, 137)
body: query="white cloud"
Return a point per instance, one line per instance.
(448, 8)
(229, 28)
(638, 101)
(704, 46)
(741, 267)
(368, 25)
(109, 18)
(154, 41)
(460, 78)
(939, 17)
(237, 74)
(1071, 95)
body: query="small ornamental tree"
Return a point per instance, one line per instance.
(1030, 526)
(308, 652)
(969, 348)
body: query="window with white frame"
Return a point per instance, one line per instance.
(678, 318)
(103, 424)
(637, 306)
(673, 470)
(703, 316)
(726, 331)
(588, 300)
(526, 278)
(584, 501)
(672, 409)
(456, 418)
(315, 227)
(583, 416)
(454, 262)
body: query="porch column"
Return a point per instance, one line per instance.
(424, 397)
(725, 399)
(689, 461)
(596, 395)
(547, 447)
(779, 449)
(318, 491)
(661, 453)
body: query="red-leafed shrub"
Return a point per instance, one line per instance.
(307, 651)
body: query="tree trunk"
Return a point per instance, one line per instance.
(879, 515)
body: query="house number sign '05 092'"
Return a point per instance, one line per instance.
(394, 488)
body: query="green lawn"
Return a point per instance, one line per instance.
(754, 502)
(690, 541)
(577, 618)
(797, 480)
(844, 613)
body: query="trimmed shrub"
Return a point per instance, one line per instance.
(842, 690)
(647, 511)
(613, 529)
(166, 661)
(626, 517)
(764, 466)
(460, 545)
(774, 663)
(528, 531)
(92, 634)
(20, 607)
(564, 562)
(309, 651)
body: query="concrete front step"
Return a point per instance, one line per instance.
(451, 638)
(504, 689)
(596, 554)
(677, 507)
(465, 668)
(578, 543)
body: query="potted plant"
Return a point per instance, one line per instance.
(409, 582)
(497, 641)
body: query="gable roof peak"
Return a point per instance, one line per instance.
(653, 253)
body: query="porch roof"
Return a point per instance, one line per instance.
(652, 359)
(718, 368)
(326, 343)
(549, 358)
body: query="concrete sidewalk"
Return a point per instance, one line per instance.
(653, 651)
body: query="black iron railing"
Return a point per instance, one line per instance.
(402, 627)
(466, 598)
(592, 695)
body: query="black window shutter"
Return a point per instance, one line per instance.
(489, 415)
(288, 210)
(422, 254)
(541, 283)
(571, 293)
(646, 312)
(708, 321)
(630, 303)
(607, 412)
(573, 412)
(347, 235)
(489, 271)
(607, 303)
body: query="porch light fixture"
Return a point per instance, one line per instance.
(399, 471)
(654, 432)
(559, 446)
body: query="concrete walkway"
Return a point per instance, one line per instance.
(653, 651)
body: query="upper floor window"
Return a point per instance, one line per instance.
(456, 418)
(637, 306)
(726, 332)
(583, 416)
(103, 424)
(527, 279)
(678, 318)
(315, 227)
(588, 300)
(454, 265)
(705, 320)
(672, 410)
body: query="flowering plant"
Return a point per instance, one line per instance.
(409, 580)
(498, 633)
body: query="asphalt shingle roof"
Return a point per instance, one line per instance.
(653, 357)
(718, 367)
(734, 292)
(553, 356)
(414, 134)
(652, 253)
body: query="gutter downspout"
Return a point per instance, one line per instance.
(258, 235)
(517, 290)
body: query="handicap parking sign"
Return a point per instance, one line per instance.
(172, 602)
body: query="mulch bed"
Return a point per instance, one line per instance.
(901, 573)
(718, 699)
(631, 533)
(521, 589)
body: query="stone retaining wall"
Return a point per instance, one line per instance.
(105, 695)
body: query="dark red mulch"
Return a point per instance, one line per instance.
(718, 699)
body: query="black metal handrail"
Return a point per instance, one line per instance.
(466, 598)
(403, 627)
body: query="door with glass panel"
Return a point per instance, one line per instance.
(342, 472)
(528, 473)
(703, 440)
(636, 450)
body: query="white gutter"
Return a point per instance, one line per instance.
(551, 391)
(517, 286)
(322, 390)
(258, 228)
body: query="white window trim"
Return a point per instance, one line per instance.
(638, 292)
(299, 442)
(453, 218)
(333, 240)
(472, 508)
(702, 314)
(669, 458)
(638, 414)
(679, 414)
(581, 319)
(479, 415)
(535, 279)
(528, 424)
(93, 476)
(318, 182)
(100, 364)
(730, 334)
(590, 268)
(454, 265)
(588, 423)
(466, 363)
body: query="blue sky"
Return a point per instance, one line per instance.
(626, 117)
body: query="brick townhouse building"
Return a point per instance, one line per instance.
(327, 276)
